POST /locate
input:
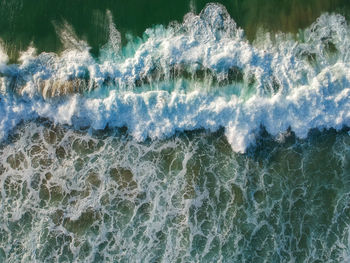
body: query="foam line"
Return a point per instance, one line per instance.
(301, 84)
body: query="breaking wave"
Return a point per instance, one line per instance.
(201, 73)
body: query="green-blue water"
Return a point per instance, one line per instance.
(168, 156)
(24, 22)
(67, 196)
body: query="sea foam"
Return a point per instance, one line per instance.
(202, 73)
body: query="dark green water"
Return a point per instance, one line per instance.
(179, 166)
(35, 21)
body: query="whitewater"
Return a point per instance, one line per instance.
(199, 74)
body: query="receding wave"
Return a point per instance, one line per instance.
(201, 73)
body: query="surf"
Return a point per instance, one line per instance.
(199, 74)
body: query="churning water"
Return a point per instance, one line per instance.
(190, 144)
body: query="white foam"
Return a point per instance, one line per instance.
(312, 80)
(3, 59)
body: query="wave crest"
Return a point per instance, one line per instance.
(202, 73)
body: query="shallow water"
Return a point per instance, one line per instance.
(211, 139)
(70, 196)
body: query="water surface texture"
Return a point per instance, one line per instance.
(174, 131)
(35, 21)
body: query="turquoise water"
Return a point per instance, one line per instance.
(189, 133)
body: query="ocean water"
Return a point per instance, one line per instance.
(207, 133)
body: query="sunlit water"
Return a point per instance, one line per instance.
(70, 196)
(190, 144)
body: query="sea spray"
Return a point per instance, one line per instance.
(202, 73)
(135, 155)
